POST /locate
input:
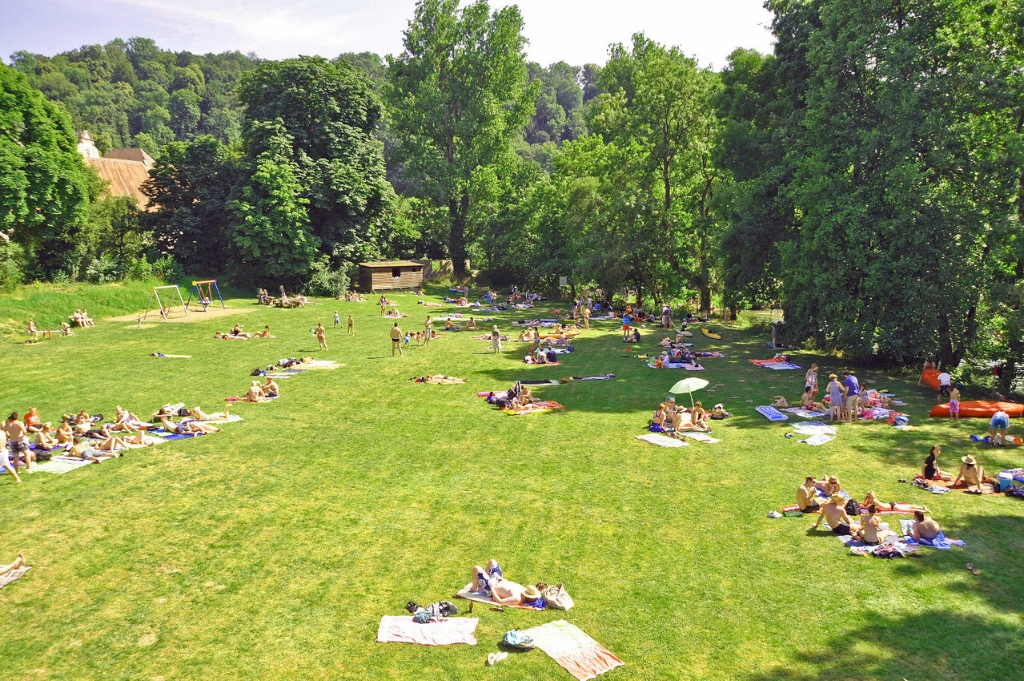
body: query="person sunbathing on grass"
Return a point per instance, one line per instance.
(834, 512)
(871, 532)
(971, 473)
(255, 393)
(187, 427)
(930, 470)
(805, 496)
(18, 563)
(270, 388)
(808, 403)
(659, 421)
(84, 450)
(830, 486)
(265, 333)
(924, 528)
(45, 438)
(198, 414)
(127, 421)
(699, 418)
(141, 438)
(870, 498)
(492, 583)
(471, 325)
(64, 433)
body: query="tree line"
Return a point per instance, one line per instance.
(867, 175)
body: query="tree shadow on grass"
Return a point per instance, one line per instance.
(930, 645)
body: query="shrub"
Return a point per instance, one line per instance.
(168, 270)
(11, 263)
(140, 269)
(325, 282)
(103, 268)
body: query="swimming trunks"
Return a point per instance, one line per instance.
(813, 508)
(1000, 421)
(842, 529)
(954, 406)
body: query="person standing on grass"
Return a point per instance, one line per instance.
(496, 339)
(586, 317)
(396, 340)
(835, 399)
(852, 395)
(954, 405)
(383, 305)
(811, 380)
(320, 336)
(17, 437)
(428, 330)
(337, 319)
(351, 326)
(945, 385)
(13, 470)
(626, 319)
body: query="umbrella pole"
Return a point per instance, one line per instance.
(692, 405)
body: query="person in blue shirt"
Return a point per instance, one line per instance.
(852, 395)
(626, 319)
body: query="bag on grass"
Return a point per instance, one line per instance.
(557, 597)
(852, 508)
(517, 639)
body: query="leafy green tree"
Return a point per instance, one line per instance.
(45, 187)
(459, 97)
(273, 235)
(657, 109)
(329, 112)
(189, 190)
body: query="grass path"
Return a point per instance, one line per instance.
(272, 550)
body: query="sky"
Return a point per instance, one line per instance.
(576, 31)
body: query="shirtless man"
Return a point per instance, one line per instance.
(13, 470)
(428, 331)
(18, 440)
(835, 514)
(84, 450)
(493, 583)
(270, 388)
(396, 339)
(187, 427)
(924, 528)
(255, 393)
(805, 494)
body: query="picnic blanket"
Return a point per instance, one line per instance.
(662, 440)
(160, 354)
(814, 428)
(804, 413)
(698, 437)
(577, 653)
(777, 363)
(940, 542)
(470, 595)
(818, 439)
(688, 367)
(59, 465)
(771, 413)
(444, 633)
(987, 485)
(13, 575)
(602, 377)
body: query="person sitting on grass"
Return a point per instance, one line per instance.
(45, 438)
(834, 512)
(971, 473)
(658, 422)
(270, 388)
(700, 417)
(471, 325)
(127, 421)
(924, 528)
(265, 333)
(31, 419)
(187, 427)
(805, 496)
(830, 486)
(930, 470)
(65, 434)
(255, 393)
(871, 532)
(84, 450)
(808, 403)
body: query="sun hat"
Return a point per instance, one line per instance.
(531, 593)
(969, 460)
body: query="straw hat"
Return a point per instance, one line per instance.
(969, 460)
(531, 593)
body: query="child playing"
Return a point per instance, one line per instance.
(954, 405)
(337, 319)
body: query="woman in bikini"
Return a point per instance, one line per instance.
(871, 532)
(187, 427)
(870, 498)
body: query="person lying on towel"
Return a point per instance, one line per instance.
(834, 512)
(187, 427)
(492, 583)
(870, 498)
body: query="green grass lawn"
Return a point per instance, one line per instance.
(272, 550)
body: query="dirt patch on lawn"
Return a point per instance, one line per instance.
(178, 315)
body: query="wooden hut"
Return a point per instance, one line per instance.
(390, 275)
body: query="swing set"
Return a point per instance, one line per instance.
(205, 295)
(164, 310)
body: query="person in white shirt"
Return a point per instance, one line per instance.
(945, 385)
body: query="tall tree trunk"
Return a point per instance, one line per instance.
(458, 209)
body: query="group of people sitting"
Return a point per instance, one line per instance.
(236, 333)
(81, 318)
(439, 379)
(261, 392)
(353, 297)
(263, 297)
(672, 418)
(971, 473)
(461, 301)
(491, 582)
(542, 356)
(835, 507)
